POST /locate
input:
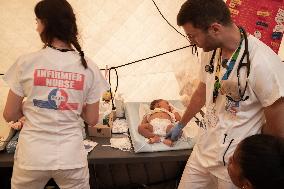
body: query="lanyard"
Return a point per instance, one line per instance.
(217, 84)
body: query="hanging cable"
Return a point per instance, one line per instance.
(167, 20)
(109, 71)
(193, 50)
(116, 80)
(150, 57)
(133, 62)
(111, 97)
(194, 47)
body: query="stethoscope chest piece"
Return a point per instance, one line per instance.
(209, 68)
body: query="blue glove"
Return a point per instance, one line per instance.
(175, 132)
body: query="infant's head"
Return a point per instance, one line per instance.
(160, 103)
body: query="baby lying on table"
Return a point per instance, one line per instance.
(158, 122)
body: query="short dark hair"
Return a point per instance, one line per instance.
(154, 103)
(59, 22)
(261, 160)
(202, 13)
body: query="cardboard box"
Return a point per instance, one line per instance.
(102, 130)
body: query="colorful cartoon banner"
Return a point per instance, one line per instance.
(262, 18)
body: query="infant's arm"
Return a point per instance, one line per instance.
(177, 116)
(144, 120)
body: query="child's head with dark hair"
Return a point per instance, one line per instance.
(160, 103)
(258, 163)
(59, 22)
(155, 104)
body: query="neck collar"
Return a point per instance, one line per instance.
(60, 49)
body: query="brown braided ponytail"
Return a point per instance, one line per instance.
(59, 22)
(76, 44)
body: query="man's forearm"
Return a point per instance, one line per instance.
(196, 103)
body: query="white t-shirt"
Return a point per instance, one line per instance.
(56, 86)
(225, 128)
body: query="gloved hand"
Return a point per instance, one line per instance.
(175, 132)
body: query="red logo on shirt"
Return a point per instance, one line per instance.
(58, 79)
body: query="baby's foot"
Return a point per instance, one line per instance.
(168, 142)
(155, 139)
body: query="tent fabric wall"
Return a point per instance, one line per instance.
(113, 33)
(3, 96)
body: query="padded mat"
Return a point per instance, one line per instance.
(140, 142)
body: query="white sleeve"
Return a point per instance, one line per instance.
(267, 79)
(13, 78)
(98, 87)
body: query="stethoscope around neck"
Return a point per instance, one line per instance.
(210, 67)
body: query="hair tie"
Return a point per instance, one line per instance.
(81, 53)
